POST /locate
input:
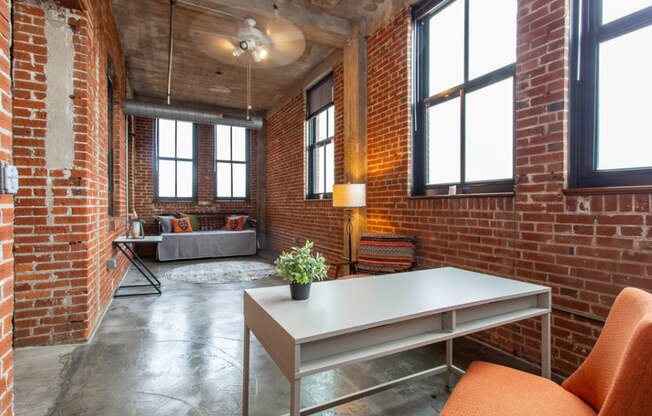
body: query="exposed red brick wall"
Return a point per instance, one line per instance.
(63, 231)
(290, 217)
(6, 220)
(586, 247)
(143, 193)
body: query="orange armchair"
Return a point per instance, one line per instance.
(614, 380)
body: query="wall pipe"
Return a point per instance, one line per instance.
(171, 51)
(174, 112)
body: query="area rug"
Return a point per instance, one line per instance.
(227, 271)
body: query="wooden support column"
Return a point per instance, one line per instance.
(355, 124)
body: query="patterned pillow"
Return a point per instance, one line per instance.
(181, 225)
(235, 223)
(386, 253)
(194, 220)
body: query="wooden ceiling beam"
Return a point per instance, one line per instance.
(319, 27)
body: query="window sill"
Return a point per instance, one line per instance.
(608, 190)
(232, 200)
(318, 199)
(459, 196)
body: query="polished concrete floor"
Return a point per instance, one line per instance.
(180, 354)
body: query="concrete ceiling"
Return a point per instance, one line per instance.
(204, 70)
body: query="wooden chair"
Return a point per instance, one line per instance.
(382, 254)
(614, 380)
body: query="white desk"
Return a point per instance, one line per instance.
(353, 320)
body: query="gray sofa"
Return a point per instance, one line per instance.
(206, 244)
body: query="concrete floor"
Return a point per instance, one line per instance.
(180, 354)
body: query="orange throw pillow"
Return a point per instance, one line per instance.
(181, 225)
(235, 223)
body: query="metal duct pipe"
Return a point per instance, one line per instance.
(171, 51)
(173, 112)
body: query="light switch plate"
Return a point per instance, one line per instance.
(8, 179)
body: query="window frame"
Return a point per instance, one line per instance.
(312, 145)
(231, 162)
(587, 32)
(110, 170)
(422, 102)
(176, 159)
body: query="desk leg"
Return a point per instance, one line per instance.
(545, 345)
(295, 397)
(449, 363)
(245, 372)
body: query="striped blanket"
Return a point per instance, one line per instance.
(386, 253)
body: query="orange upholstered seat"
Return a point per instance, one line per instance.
(614, 380)
(494, 390)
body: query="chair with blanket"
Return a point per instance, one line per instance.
(382, 254)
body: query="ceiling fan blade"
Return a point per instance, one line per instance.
(287, 42)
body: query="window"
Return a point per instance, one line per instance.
(109, 141)
(175, 161)
(231, 158)
(465, 54)
(320, 130)
(611, 63)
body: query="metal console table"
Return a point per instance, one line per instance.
(123, 245)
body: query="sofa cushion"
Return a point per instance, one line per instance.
(181, 225)
(236, 223)
(194, 220)
(164, 223)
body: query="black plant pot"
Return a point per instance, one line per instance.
(300, 291)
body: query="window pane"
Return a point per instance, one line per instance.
(492, 35)
(223, 142)
(184, 179)
(625, 137)
(166, 178)
(321, 128)
(184, 140)
(444, 142)
(319, 171)
(166, 138)
(331, 121)
(615, 9)
(330, 167)
(489, 132)
(224, 180)
(239, 180)
(446, 48)
(239, 144)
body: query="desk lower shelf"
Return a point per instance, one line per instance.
(318, 365)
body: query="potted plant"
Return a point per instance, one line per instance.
(300, 268)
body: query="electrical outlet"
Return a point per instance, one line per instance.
(111, 264)
(8, 179)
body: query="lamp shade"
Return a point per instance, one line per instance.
(350, 195)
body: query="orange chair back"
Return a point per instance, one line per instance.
(616, 377)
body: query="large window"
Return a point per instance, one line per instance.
(175, 160)
(611, 87)
(231, 157)
(320, 130)
(465, 58)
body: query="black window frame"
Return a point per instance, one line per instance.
(312, 146)
(110, 171)
(587, 32)
(422, 101)
(232, 162)
(156, 158)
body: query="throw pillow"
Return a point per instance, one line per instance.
(194, 220)
(164, 223)
(235, 223)
(181, 225)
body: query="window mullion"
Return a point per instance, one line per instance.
(463, 98)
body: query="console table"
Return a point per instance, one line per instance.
(123, 245)
(354, 320)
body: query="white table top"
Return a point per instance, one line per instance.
(146, 239)
(341, 306)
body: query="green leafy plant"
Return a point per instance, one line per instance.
(300, 266)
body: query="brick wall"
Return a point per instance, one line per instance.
(63, 228)
(6, 220)
(143, 191)
(290, 217)
(586, 246)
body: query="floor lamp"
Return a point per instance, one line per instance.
(349, 196)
